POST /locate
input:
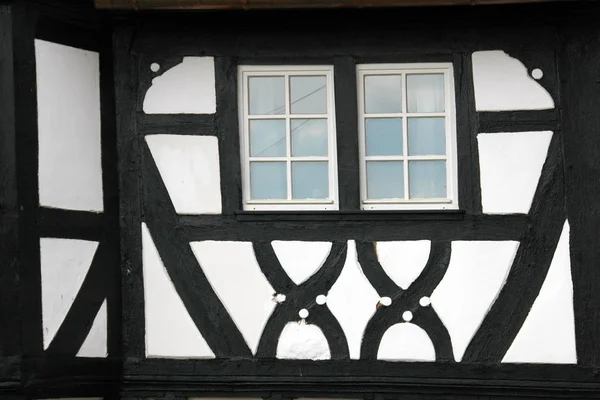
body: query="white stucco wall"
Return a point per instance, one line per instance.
(406, 342)
(403, 261)
(95, 344)
(302, 341)
(301, 259)
(68, 95)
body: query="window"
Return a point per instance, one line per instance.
(407, 136)
(288, 143)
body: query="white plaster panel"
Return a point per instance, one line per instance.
(476, 273)
(187, 88)
(68, 95)
(403, 261)
(548, 334)
(353, 301)
(510, 167)
(301, 260)
(502, 83)
(64, 265)
(302, 341)
(233, 272)
(95, 344)
(406, 342)
(170, 331)
(189, 167)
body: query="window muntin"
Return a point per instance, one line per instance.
(288, 138)
(407, 136)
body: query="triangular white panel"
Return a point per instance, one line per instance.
(548, 334)
(476, 273)
(406, 342)
(510, 168)
(301, 341)
(502, 83)
(95, 344)
(234, 274)
(189, 167)
(187, 88)
(403, 261)
(301, 259)
(64, 265)
(170, 331)
(353, 301)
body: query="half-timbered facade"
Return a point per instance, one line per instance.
(291, 200)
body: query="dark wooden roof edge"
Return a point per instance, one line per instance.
(280, 4)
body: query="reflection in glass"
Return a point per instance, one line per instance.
(427, 179)
(383, 94)
(426, 136)
(309, 137)
(267, 138)
(385, 179)
(308, 94)
(383, 136)
(268, 180)
(266, 95)
(425, 93)
(310, 180)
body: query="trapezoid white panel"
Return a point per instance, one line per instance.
(502, 83)
(187, 88)
(548, 334)
(170, 331)
(406, 342)
(233, 272)
(189, 167)
(510, 167)
(403, 261)
(95, 344)
(301, 260)
(353, 301)
(68, 96)
(302, 341)
(476, 274)
(64, 265)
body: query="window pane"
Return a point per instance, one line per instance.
(426, 136)
(385, 179)
(267, 138)
(266, 95)
(427, 179)
(309, 137)
(268, 180)
(383, 136)
(425, 93)
(310, 180)
(383, 94)
(308, 94)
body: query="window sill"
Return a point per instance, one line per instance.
(379, 215)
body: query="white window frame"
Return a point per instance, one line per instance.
(449, 203)
(244, 73)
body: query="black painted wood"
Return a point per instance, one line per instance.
(176, 124)
(70, 224)
(519, 121)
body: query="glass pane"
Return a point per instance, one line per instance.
(425, 93)
(384, 136)
(383, 94)
(308, 94)
(268, 180)
(426, 136)
(385, 180)
(267, 95)
(310, 180)
(267, 138)
(309, 137)
(427, 179)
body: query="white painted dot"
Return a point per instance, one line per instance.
(280, 298)
(303, 313)
(385, 301)
(321, 299)
(425, 301)
(407, 316)
(154, 67)
(537, 74)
